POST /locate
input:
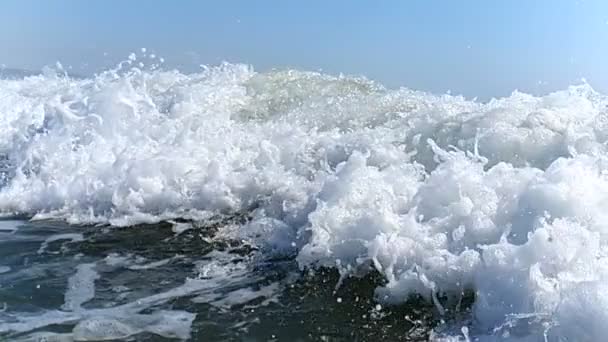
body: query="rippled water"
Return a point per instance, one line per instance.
(62, 283)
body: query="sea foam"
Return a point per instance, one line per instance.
(437, 193)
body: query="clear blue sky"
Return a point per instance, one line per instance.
(471, 47)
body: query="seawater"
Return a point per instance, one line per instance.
(144, 283)
(233, 204)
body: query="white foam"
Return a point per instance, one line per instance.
(438, 193)
(81, 287)
(244, 296)
(135, 263)
(170, 324)
(180, 227)
(117, 260)
(72, 237)
(153, 264)
(109, 323)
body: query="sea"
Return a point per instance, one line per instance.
(149, 204)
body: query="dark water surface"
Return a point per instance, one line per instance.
(145, 283)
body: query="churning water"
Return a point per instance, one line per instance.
(288, 205)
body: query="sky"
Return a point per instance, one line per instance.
(477, 48)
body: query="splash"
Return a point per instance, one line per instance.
(437, 193)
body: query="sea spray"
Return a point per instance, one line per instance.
(438, 194)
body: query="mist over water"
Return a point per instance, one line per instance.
(435, 194)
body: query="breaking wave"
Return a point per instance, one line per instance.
(438, 194)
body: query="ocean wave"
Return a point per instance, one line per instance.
(439, 194)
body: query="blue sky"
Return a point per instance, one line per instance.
(473, 47)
